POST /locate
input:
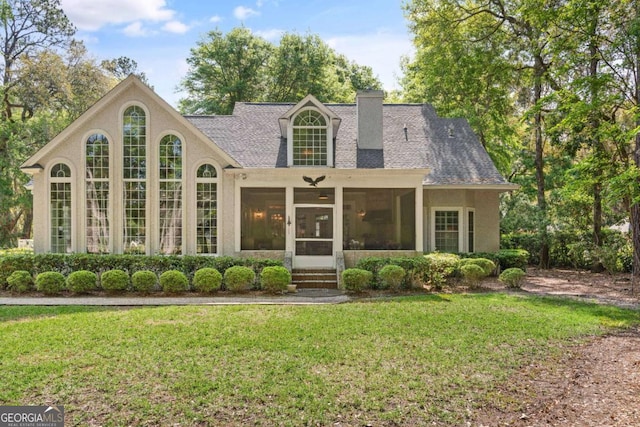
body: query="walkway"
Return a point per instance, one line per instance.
(302, 297)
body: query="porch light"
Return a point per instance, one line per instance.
(258, 214)
(361, 213)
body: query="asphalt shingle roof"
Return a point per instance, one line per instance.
(251, 135)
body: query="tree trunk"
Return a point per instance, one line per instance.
(542, 201)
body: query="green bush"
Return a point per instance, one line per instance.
(20, 281)
(82, 281)
(144, 281)
(512, 277)
(472, 274)
(356, 279)
(50, 282)
(416, 269)
(485, 264)
(115, 280)
(174, 281)
(239, 278)
(391, 276)
(441, 266)
(275, 279)
(207, 280)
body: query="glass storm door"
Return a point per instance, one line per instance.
(314, 236)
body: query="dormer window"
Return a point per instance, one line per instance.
(309, 139)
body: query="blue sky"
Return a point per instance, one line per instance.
(158, 34)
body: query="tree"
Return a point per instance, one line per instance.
(239, 66)
(225, 69)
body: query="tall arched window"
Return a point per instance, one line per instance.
(309, 139)
(170, 195)
(206, 210)
(97, 188)
(60, 210)
(134, 180)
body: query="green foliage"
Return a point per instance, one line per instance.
(441, 266)
(356, 279)
(472, 274)
(82, 281)
(20, 281)
(486, 264)
(50, 282)
(144, 281)
(239, 278)
(416, 269)
(391, 276)
(114, 280)
(512, 277)
(174, 281)
(275, 279)
(207, 280)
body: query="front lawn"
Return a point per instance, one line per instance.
(406, 361)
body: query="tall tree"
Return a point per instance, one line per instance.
(225, 69)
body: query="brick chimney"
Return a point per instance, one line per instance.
(369, 119)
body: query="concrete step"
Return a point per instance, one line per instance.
(314, 278)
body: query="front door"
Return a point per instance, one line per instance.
(314, 231)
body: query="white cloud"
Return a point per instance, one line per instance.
(270, 35)
(95, 14)
(381, 51)
(215, 19)
(243, 13)
(135, 29)
(175, 27)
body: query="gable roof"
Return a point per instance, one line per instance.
(30, 165)
(448, 147)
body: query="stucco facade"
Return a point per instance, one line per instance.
(347, 179)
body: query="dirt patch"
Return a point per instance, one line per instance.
(596, 383)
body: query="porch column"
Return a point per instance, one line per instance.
(289, 220)
(419, 220)
(339, 219)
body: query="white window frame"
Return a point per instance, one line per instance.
(206, 180)
(329, 135)
(468, 228)
(461, 230)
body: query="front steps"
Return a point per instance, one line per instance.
(307, 278)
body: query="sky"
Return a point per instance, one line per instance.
(159, 34)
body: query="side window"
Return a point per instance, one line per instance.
(60, 208)
(447, 230)
(206, 210)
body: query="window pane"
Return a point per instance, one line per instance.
(471, 231)
(263, 218)
(134, 174)
(60, 217)
(135, 217)
(379, 218)
(206, 216)
(170, 217)
(447, 231)
(97, 216)
(309, 139)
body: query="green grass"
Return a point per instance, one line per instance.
(408, 361)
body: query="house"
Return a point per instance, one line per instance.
(309, 183)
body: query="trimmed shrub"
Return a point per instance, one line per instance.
(115, 280)
(441, 266)
(485, 264)
(239, 278)
(391, 276)
(472, 274)
(356, 279)
(207, 280)
(144, 281)
(275, 279)
(20, 281)
(509, 258)
(174, 281)
(82, 281)
(50, 282)
(512, 277)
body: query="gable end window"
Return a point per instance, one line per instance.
(206, 210)
(170, 199)
(97, 193)
(134, 179)
(60, 209)
(310, 139)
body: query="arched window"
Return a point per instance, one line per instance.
(309, 139)
(134, 179)
(206, 210)
(60, 210)
(97, 188)
(170, 199)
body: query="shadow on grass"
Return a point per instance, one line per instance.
(19, 312)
